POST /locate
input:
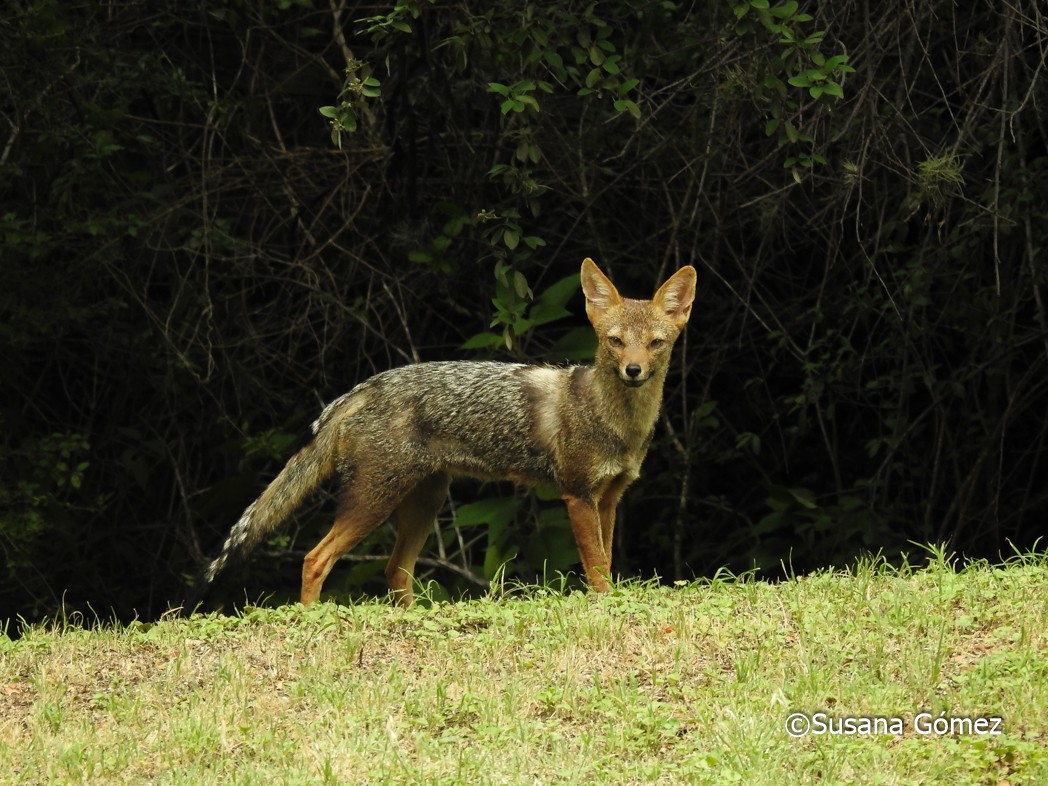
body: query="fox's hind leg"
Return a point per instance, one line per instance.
(415, 516)
(359, 513)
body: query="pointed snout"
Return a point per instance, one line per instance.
(634, 374)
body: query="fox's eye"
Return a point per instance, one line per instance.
(656, 343)
(616, 342)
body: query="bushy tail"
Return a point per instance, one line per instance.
(302, 475)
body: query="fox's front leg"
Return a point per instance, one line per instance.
(606, 507)
(586, 526)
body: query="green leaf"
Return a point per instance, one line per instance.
(833, 89)
(329, 111)
(495, 87)
(786, 10)
(832, 62)
(520, 286)
(748, 439)
(551, 302)
(511, 238)
(625, 105)
(850, 503)
(483, 341)
(542, 314)
(527, 101)
(704, 410)
(493, 511)
(804, 497)
(577, 344)
(519, 327)
(788, 497)
(776, 84)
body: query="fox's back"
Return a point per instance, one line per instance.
(466, 417)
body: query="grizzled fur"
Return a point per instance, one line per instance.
(397, 439)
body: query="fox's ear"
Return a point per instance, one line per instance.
(600, 292)
(677, 294)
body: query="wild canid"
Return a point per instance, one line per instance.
(397, 439)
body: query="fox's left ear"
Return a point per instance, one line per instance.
(677, 294)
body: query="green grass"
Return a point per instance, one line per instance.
(645, 685)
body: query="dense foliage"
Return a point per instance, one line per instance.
(215, 216)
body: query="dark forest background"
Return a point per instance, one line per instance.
(217, 216)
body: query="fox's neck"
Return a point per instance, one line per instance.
(630, 411)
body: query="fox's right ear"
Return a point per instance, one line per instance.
(599, 291)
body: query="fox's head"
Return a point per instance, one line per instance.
(635, 336)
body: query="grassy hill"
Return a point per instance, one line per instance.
(695, 683)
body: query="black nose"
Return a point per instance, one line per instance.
(633, 370)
